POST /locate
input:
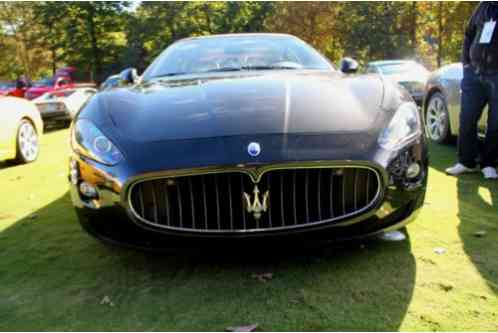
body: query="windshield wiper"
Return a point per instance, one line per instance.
(169, 74)
(224, 69)
(259, 68)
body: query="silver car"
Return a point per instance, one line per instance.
(442, 104)
(20, 130)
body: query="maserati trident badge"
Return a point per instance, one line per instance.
(254, 149)
(256, 207)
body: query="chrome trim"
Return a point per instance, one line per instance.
(256, 172)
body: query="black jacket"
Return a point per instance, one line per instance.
(484, 57)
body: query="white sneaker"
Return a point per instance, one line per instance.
(459, 169)
(489, 173)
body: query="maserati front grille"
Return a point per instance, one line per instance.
(233, 202)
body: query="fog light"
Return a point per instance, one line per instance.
(413, 171)
(88, 190)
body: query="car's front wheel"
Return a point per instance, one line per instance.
(27, 142)
(437, 119)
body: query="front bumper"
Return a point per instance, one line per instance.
(110, 220)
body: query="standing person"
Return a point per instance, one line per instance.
(20, 89)
(479, 88)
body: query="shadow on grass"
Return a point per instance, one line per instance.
(56, 277)
(477, 211)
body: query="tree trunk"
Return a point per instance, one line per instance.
(97, 65)
(440, 34)
(414, 26)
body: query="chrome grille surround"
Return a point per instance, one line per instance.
(255, 174)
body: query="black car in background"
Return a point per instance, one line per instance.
(247, 137)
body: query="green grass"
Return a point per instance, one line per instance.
(53, 276)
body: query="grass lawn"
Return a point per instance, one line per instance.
(53, 276)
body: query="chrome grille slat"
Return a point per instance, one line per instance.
(192, 202)
(354, 190)
(298, 197)
(331, 194)
(294, 202)
(243, 206)
(230, 209)
(306, 203)
(282, 210)
(204, 198)
(343, 194)
(268, 179)
(154, 202)
(166, 194)
(217, 192)
(180, 210)
(368, 187)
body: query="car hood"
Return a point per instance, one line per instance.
(242, 104)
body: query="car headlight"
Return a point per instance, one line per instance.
(404, 127)
(89, 141)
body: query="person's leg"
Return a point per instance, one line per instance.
(490, 147)
(474, 98)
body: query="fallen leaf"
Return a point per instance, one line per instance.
(440, 250)
(263, 277)
(247, 328)
(480, 233)
(106, 301)
(445, 287)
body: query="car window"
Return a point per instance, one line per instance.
(43, 83)
(236, 53)
(453, 72)
(402, 68)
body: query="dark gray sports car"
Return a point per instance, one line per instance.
(442, 104)
(244, 137)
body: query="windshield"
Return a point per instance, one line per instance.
(219, 54)
(44, 83)
(402, 68)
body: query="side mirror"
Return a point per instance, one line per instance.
(349, 66)
(128, 76)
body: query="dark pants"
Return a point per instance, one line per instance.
(477, 91)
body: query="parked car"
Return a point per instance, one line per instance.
(62, 105)
(21, 130)
(112, 81)
(409, 74)
(247, 137)
(6, 87)
(48, 85)
(442, 104)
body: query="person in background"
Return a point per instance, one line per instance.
(20, 89)
(479, 88)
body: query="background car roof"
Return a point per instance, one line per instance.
(254, 34)
(391, 62)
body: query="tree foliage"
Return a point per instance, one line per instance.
(101, 38)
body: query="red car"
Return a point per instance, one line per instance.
(49, 85)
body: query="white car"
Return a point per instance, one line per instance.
(20, 130)
(62, 105)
